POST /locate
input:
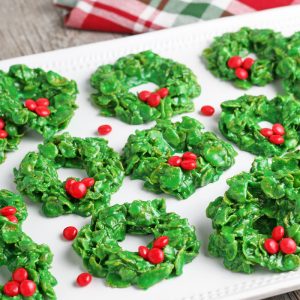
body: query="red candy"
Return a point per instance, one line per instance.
(155, 256)
(163, 92)
(188, 164)
(3, 134)
(78, 190)
(271, 246)
(42, 111)
(68, 183)
(241, 73)
(70, 233)
(266, 132)
(20, 275)
(143, 252)
(104, 129)
(276, 139)
(84, 279)
(288, 246)
(42, 102)
(247, 63)
(161, 242)
(8, 211)
(207, 110)
(189, 155)
(88, 182)
(278, 233)
(144, 95)
(27, 288)
(30, 104)
(174, 161)
(11, 288)
(154, 100)
(278, 129)
(234, 62)
(12, 219)
(2, 123)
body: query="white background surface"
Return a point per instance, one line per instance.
(205, 277)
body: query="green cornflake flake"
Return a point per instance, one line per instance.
(256, 202)
(37, 175)
(113, 83)
(98, 243)
(146, 153)
(240, 118)
(17, 250)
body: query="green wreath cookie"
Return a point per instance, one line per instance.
(288, 67)
(239, 122)
(113, 83)
(223, 57)
(19, 252)
(37, 175)
(98, 244)
(22, 83)
(149, 155)
(247, 218)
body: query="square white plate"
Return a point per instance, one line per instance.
(205, 277)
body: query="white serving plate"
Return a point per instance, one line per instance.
(205, 277)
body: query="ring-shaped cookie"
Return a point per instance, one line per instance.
(114, 81)
(146, 153)
(37, 175)
(240, 118)
(98, 243)
(22, 83)
(255, 203)
(267, 45)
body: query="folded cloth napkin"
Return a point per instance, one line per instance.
(136, 16)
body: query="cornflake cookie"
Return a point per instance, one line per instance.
(175, 244)
(176, 158)
(256, 222)
(37, 176)
(177, 88)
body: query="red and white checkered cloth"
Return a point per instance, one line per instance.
(136, 16)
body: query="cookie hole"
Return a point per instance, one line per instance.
(149, 86)
(64, 173)
(5, 275)
(132, 241)
(265, 124)
(265, 225)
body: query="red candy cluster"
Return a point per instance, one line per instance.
(3, 132)
(40, 106)
(78, 189)
(153, 99)
(188, 161)
(20, 284)
(278, 242)
(155, 255)
(275, 135)
(241, 66)
(9, 212)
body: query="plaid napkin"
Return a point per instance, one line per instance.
(136, 16)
